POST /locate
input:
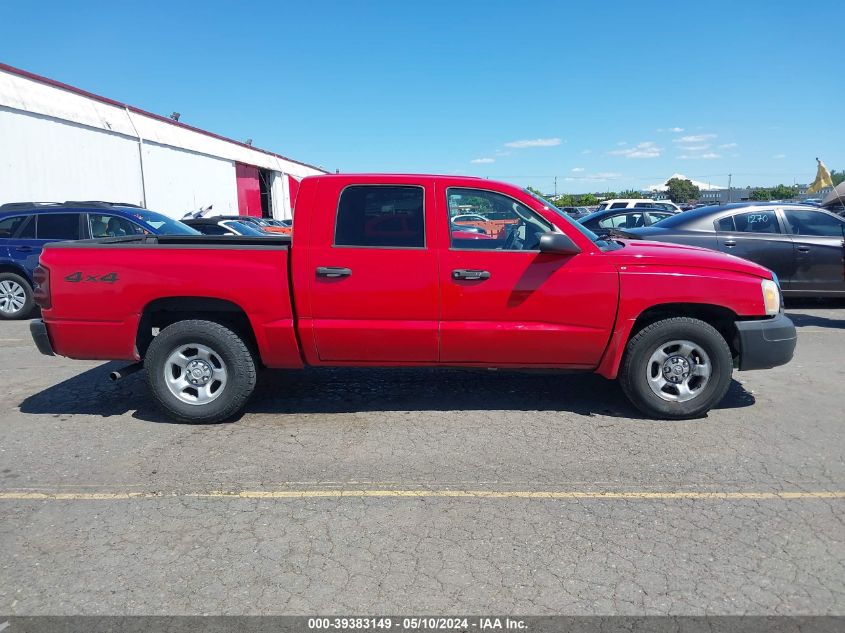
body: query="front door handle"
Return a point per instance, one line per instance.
(803, 249)
(24, 249)
(333, 272)
(729, 243)
(470, 275)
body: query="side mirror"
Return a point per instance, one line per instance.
(559, 243)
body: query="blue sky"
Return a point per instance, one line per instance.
(603, 95)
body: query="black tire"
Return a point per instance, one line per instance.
(633, 375)
(28, 301)
(230, 351)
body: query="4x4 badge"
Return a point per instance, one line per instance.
(108, 278)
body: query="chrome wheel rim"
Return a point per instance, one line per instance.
(678, 371)
(195, 374)
(12, 296)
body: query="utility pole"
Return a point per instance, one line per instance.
(555, 186)
(729, 188)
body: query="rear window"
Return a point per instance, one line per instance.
(58, 226)
(9, 226)
(381, 215)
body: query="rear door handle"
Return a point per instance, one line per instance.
(470, 275)
(803, 249)
(24, 249)
(333, 272)
(729, 243)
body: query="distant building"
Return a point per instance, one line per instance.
(724, 196)
(61, 143)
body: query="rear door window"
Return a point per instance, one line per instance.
(757, 222)
(58, 226)
(381, 216)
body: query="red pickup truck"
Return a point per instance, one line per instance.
(376, 274)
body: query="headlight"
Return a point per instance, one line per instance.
(771, 297)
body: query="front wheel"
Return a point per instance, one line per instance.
(200, 371)
(676, 368)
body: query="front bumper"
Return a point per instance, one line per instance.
(765, 343)
(39, 334)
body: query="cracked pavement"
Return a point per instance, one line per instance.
(67, 429)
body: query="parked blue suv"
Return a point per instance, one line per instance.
(26, 226)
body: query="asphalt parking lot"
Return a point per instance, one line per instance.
(384, 491)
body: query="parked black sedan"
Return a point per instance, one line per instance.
(601, 222)
(803, 245)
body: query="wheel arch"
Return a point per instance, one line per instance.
(17, 269)
(165, 311)
(720, 317)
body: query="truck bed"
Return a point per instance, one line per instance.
(117, 282)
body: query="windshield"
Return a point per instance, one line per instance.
(159, 223)
(244, 228)
(601, 243)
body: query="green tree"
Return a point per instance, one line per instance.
(837, 176)
(534, 191)
(783, 192)
(760, 193)
(631, 193)
(587, 200)
(682, 190)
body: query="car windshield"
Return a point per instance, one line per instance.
(601, 243)
(245, 228)
(159, 223)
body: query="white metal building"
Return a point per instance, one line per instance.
(61, 143)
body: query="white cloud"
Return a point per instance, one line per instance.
(537, 142)
(646, 149)
(621, 143)
(479, 161)
(671, 129)
(576, 169)
(694, 148)
(727, 145)
(779, 156)
(694, 138)
(587, 151)
(707, 156)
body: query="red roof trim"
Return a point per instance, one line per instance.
(163, 119)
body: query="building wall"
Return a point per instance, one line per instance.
(48, 160)
(59, 143)
(178, 181)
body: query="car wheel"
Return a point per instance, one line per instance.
(16, 300)
(200, 371)
(676, 369)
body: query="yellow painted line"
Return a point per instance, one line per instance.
(420, 494)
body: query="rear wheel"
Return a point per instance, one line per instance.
(16, 300)
(200, 371)
(676, 368)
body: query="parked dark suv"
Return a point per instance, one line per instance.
(26, 226)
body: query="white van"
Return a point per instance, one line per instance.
(639, 203)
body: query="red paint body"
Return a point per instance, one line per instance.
(400, 306)
(249, 190)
